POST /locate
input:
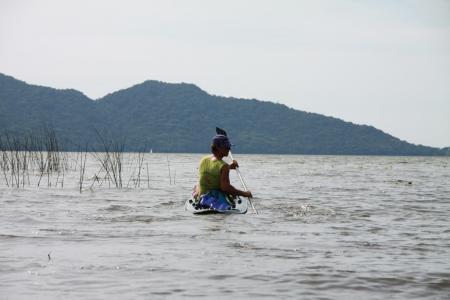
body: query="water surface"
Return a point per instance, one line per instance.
(330, 227)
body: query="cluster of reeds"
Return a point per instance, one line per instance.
(170, 173)
(41, 156)
(82, 155)
(110, 158)
(36, 153)
(136, 174)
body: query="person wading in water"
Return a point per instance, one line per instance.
(214, 189)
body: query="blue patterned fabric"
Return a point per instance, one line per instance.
(216, 200)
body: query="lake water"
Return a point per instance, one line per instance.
(329, 227)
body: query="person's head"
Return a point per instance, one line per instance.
(220, 145)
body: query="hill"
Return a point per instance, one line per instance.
(182, 117)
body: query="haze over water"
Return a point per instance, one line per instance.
(330, 227)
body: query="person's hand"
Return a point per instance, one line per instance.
(248, 194)
(195, 191)
(234, 165)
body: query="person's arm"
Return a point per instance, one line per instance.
(226, 187)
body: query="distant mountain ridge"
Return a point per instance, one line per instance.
(182, 117)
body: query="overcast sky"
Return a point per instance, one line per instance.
(381, 63)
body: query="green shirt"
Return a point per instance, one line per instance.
(209, 174)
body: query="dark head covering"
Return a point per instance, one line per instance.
(221, 140)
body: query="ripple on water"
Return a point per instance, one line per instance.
(132, 219)
(116, 207)
(307, 213)
(344, 228)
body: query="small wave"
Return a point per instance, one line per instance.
(402, 182)
(34, 265)
(241, 245)
(13, 236)
(133, 218)
(260, 277)
(442, 284)
(28, 220)
(388, 281)
(58, 231)
(220, 277)
(370, 245)
(115, 207)
(307, 210)
(168, 204)
(10, 236)
(375, 229)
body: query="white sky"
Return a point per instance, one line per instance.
(381, 63)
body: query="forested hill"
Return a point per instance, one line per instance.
(182, 118)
